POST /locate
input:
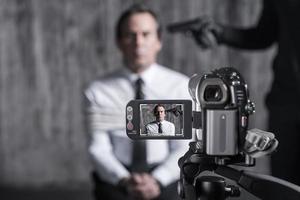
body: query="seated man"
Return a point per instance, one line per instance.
(126, 169)
(160, 126)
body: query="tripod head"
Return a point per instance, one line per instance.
(193, 185)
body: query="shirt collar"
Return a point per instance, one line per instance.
(148, 75)
(161, 121)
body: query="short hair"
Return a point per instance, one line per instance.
(156, 107)
(135, 9)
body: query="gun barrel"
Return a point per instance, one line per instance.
(183, 26)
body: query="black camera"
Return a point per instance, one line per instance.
(217, 120)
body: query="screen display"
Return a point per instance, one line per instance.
(161, 119)
(155, 119)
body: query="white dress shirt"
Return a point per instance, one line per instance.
(110, 147)
(168, 128)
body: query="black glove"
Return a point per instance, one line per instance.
(207, 34)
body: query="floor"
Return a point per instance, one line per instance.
(45, 194)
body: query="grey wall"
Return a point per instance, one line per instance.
(50, 50)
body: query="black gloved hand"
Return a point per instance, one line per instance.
(206, 33)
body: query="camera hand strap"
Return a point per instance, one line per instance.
(259, 143)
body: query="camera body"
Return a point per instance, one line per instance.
(221, 111)
(225, 106)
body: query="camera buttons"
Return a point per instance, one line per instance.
(129, 113)
(129, 126)
(129, 117)
(244, 121)
(129, 108)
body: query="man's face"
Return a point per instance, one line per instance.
(139, 41)
(160, 113)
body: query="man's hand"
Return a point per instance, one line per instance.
(143, 186)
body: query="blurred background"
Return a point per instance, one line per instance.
(51, 50)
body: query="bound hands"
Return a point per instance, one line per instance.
(142, 186)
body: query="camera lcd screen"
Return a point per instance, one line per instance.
(156, 119)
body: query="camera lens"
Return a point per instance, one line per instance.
(213, 93)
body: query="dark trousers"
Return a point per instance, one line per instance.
(285, 124)
(106, 191)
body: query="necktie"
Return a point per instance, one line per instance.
(139, 89)
(139, 154)
(159, 128)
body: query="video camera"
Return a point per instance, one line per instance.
(218, 118)
(222, 108)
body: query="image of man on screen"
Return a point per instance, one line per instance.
(160, 126)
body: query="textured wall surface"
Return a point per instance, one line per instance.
(50, 51)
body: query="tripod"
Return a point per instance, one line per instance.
(193, 186)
